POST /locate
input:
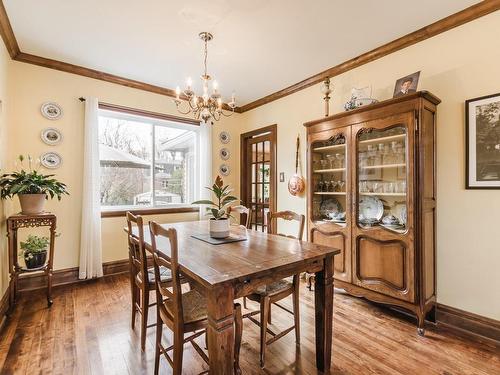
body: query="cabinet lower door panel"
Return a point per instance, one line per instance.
(385, 267)
(338, 240)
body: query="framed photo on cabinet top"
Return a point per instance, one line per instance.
(406, 85)
(482, 144)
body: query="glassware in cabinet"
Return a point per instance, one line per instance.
(329, 179)
(382, 178)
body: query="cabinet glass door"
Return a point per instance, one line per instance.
(382, 178)
(329, 180)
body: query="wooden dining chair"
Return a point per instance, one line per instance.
(142, 276)
(181, 312)
(274, 292)
(242, 210)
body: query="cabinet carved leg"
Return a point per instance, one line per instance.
(421, 323)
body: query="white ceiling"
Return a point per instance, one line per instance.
(260, 46)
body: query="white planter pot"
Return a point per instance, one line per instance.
(219, 228)
(32, 204)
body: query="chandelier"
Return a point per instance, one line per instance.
(205, 106)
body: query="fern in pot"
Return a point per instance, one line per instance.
(34, 251)
(218, 209)
(31, 186)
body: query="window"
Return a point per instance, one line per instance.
(146, 162)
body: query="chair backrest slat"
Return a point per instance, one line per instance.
(170, 261)
(285, 215)
(137, 250)
(245, 211)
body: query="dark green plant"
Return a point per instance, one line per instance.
(218, 209)
(30, 182)
(33, 245)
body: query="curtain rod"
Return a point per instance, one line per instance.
(140, 112)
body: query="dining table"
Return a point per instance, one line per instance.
(229, 271)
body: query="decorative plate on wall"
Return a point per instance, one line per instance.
(224, 170)
(224, 137)
(51, 110)
(224, 153)
(51, 160)
(51, 136)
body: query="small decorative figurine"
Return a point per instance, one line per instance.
(326, 90)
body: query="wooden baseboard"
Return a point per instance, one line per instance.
(68, 276)
(466, 323)
(4, 306)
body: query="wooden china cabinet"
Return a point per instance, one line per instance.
(372, 194)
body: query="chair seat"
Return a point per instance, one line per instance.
(273, 288)
(194, 306)
(165, 275)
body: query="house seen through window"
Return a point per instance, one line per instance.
(146, 162)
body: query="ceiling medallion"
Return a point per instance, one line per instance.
(206, 106)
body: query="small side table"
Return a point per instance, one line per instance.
(14, 222)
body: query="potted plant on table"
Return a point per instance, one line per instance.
(34, 251)
(32, 188)
(219, 221)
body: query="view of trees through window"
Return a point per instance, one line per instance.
(146, 162)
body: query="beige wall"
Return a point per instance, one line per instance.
(459, 64)
(34, 85)
(4, 66)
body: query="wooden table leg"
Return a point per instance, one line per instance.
(323, 300)
(221, 330)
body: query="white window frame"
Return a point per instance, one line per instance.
(154, 122)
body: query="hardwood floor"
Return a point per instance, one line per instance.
(87, 331)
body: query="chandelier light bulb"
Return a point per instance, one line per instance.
(177, 92)
(215, 85)
(189, 83)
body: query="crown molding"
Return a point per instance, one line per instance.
(457, 19)
(7, 34)
(469, 14)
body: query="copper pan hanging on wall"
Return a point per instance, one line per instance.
(296, 184)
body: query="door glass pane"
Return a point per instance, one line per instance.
(266, 172)
(382, 180)
(329, 179)
(266, 193)
(260, 175)
(260, 151)
(254, 153)
(267, 151)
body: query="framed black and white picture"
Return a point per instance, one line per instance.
(482, 155)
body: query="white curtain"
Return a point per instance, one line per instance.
(205, 158)
(90, 243)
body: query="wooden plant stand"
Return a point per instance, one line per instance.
(15, 222)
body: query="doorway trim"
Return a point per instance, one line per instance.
(273, 130)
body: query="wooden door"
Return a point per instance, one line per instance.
(330, 187)
(258, 174)
(383, 209)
